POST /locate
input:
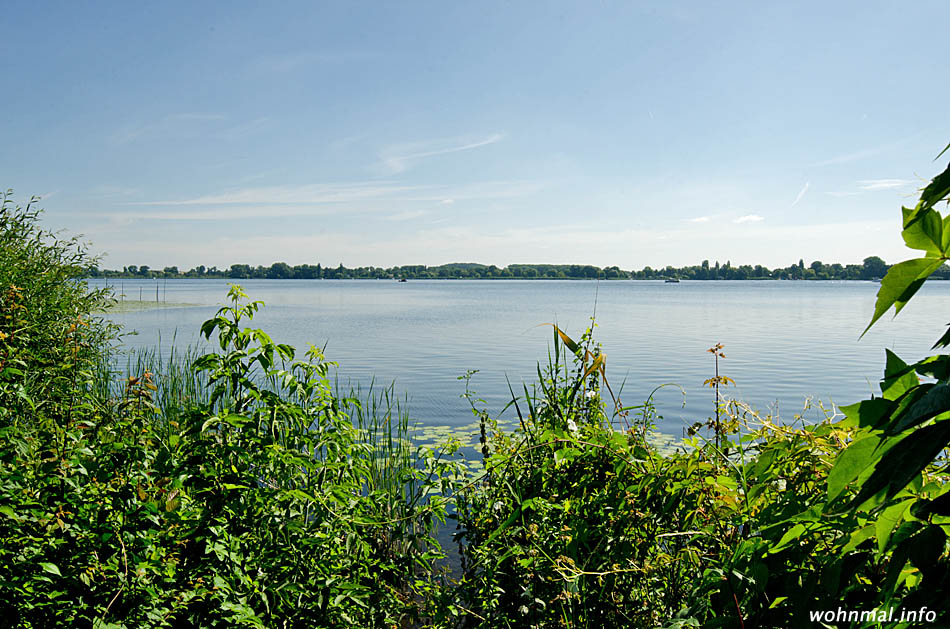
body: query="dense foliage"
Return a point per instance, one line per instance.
(258, 503)
(872, 268)
(243, 491)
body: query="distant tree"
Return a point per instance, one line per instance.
(873, 267)
(240, 271)
(280, 271)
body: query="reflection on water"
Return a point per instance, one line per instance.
(784, 341)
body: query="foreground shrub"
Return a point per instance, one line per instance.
(261, 507)
(49, 336)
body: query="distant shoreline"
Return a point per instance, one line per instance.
(871, 269)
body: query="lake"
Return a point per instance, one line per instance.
(785, 341)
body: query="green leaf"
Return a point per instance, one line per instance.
(887, 521)
(936, 367)
(899, 377)
(790, 535)
(566, 455)
(923, 230)
(905, 460)
(935, 191)
(511, 520)
(934, 402)
(857, 537)
(51, 568)
(853, 460)
(867, 413)
(900, 284)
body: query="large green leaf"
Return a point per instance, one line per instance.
(905, 460)
(857, 537)
(51, 568)
(936, 367)
(851, 462)
(900, 284)
(867, 413)
(899, 377)
(936, 191)
(887, 521)
(923, 230)
(934, 402)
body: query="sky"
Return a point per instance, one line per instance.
(390, 133)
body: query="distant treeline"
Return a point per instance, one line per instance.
(872, 268)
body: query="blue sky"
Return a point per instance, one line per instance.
(607, 133)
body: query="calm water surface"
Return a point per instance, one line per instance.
(784, 341)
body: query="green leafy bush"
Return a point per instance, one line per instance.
(245, 492)
(262, 507)
(48, 333)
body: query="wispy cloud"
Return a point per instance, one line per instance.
(399, 158)
(328, 198)
(801, 193)
(701, 219)
(873, 185)
(883, 184)
(295, 195)
(749, 218)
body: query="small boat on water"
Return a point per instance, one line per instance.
(673, 280)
